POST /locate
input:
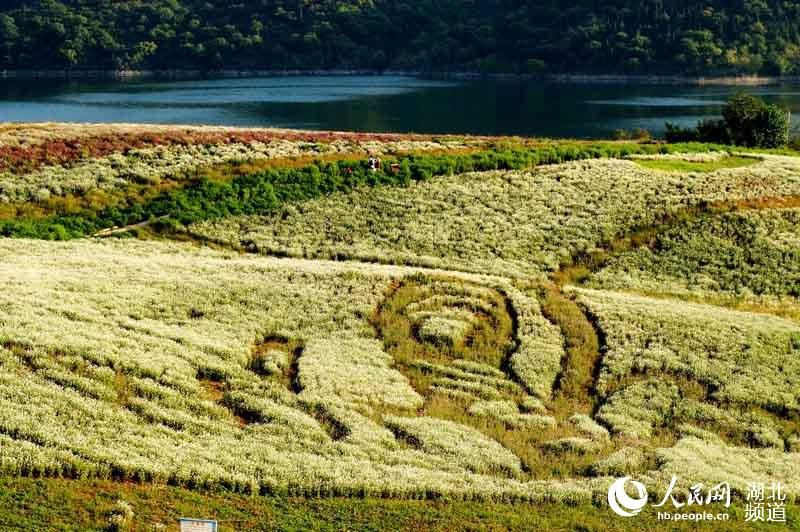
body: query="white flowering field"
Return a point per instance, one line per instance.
(505, 336)
(146, 362)
(518, 223)
(748, 259)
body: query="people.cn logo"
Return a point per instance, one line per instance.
(621, 502)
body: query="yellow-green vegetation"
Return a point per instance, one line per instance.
(733, 366)
(449, 352)
(457, 343)
(696, 163)
(574, 388)
(516, 223)
(164, 359)
(748, 260)
(66, 505)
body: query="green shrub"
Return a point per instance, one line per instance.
(675, 133)
(742, 118)
(746, 121)
(714, 129)
(775, 127)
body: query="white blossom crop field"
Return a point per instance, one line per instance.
(140, 359)
(748, 259)
(517, 336)
(517, 223)
(145, 371)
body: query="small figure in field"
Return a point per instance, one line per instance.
(374, 163)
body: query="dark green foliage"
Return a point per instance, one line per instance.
(264, 191)
(700, 38)
(715, 129)
(746, 121)
(775, 127)
(674, 133)
(743, 119)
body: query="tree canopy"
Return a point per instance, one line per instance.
(581, 36)
(746, 121)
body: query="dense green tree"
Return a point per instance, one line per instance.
(646, 36)
(774, 126)
(743, 118)
(746, 121)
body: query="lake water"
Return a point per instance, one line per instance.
(377, 103)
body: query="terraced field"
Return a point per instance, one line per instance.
(518, 336)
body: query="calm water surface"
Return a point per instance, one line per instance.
(377, 103)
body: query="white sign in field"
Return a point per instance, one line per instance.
(197, 525)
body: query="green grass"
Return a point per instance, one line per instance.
(61, 505)
(573, 391)
(677, 165)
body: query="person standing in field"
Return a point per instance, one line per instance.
(374, 163)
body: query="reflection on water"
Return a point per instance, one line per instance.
(644, 101)
(258, 90)
(377, 103)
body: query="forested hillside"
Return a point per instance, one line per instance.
(619, 36)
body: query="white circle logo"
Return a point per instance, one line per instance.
(621, 502)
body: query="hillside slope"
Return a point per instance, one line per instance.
(715, 37)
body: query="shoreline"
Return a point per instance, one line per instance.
(573, 79)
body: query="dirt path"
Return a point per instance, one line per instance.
(119, 230)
